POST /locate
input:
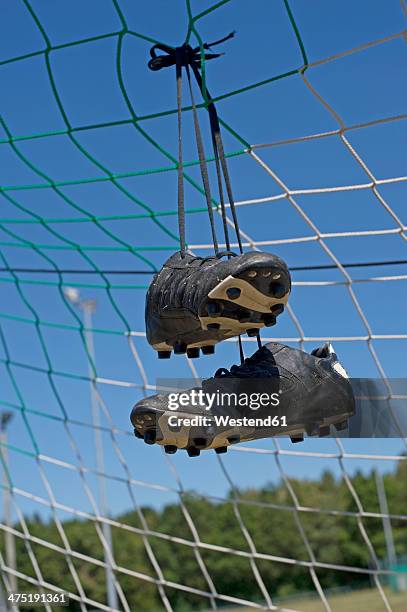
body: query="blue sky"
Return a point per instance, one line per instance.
(361, 87)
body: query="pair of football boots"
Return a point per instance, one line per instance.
(192, 304)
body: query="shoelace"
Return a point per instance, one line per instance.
(245, 368)
(217, 256)
(187, 56)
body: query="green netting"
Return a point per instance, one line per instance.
(134, 120)
(10, 226)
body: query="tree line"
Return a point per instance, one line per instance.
(274, 527)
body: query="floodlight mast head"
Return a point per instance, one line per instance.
(73, 295)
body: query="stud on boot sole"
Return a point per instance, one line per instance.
(269, 320)
(208, 350)
(193, 452)
(252, 333)
(199, 442)
(150, 437)
(277, 309)
(277, 290)
(193, 353)
(297, 438)
(170, 449)
(164, 354)
(180, 348)
(221, 449)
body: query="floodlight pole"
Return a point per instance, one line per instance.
(9, 542)
(384, 510)
(88, 307)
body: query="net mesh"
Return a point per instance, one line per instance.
(48, 358)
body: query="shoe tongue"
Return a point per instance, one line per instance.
(324, 351)
(260, 355)
(258, 365)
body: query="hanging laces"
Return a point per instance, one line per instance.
(202, 163)
(191, 57)
(180, 169)
(241, 351)
(247, 365)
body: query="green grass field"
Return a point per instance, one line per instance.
(366, 600)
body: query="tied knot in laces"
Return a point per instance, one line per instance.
(186, 55)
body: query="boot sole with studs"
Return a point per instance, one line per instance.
(239, 304)
(151, 425)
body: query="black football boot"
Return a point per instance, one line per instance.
(193, 302)
(301, 393)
